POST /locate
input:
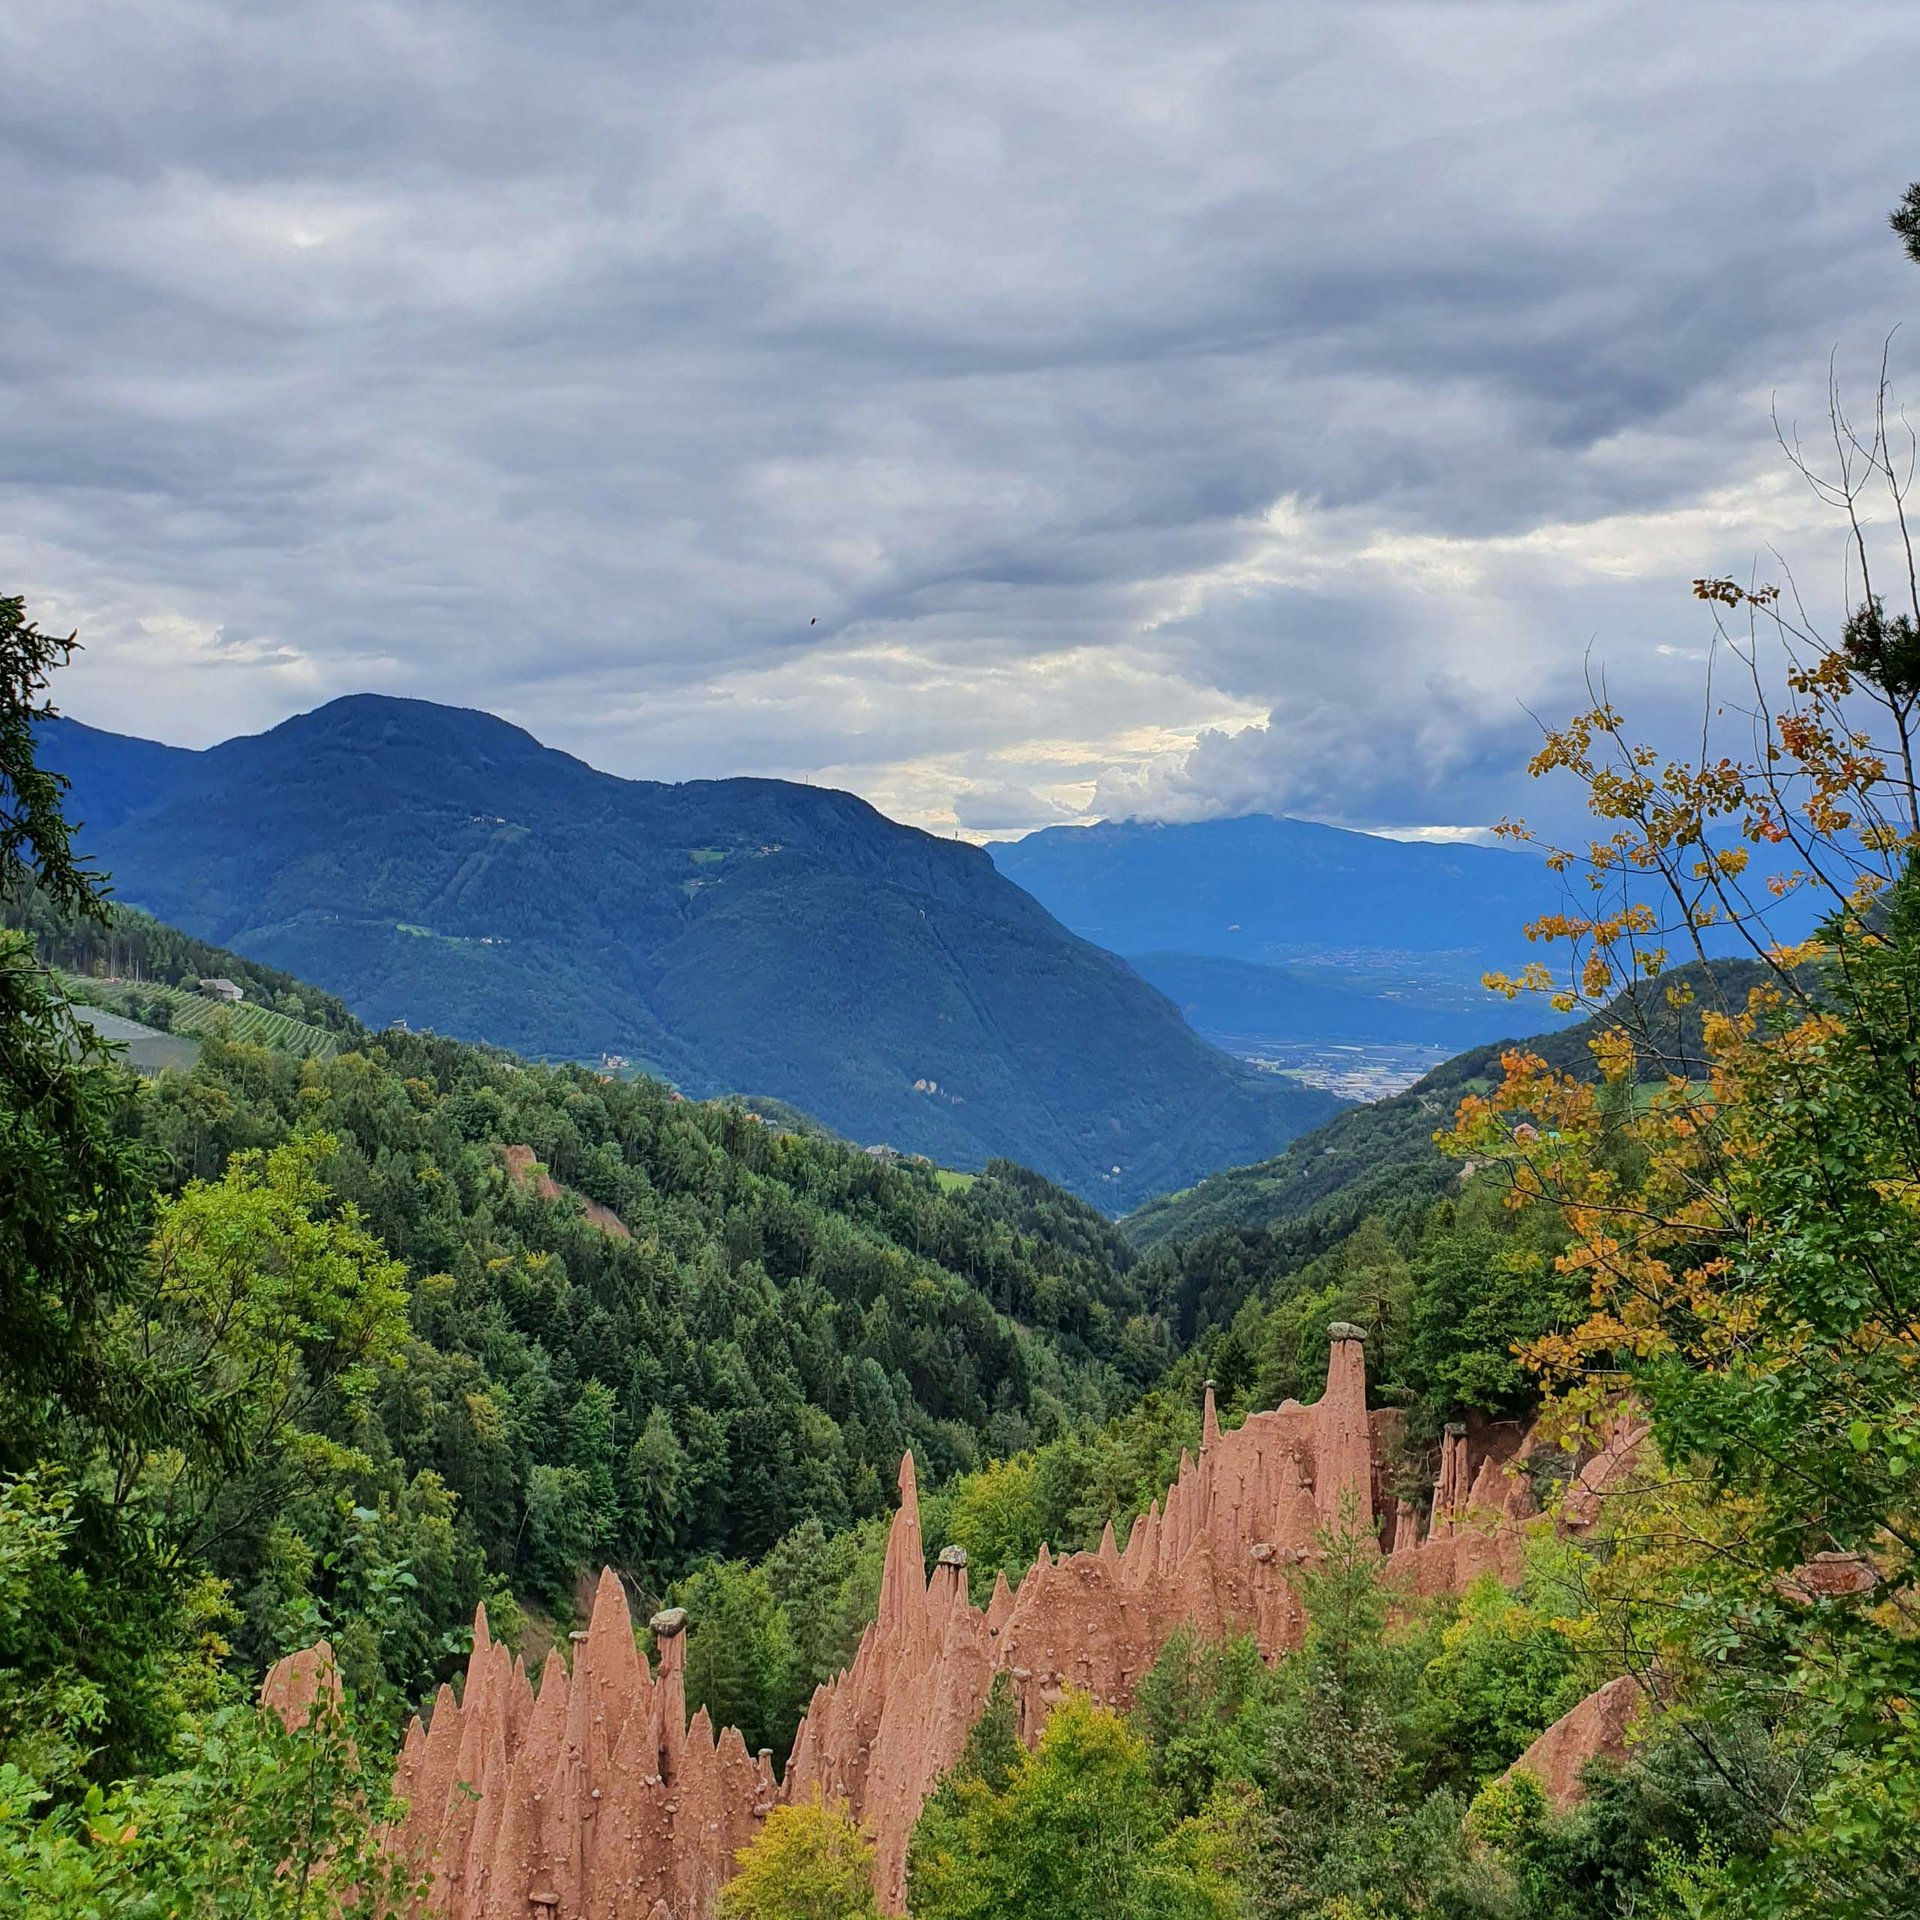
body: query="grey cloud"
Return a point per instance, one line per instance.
(999, 807)
(580, 362)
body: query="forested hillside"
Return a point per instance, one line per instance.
(715, 1330)
(702, 1353)
(129, 951)
(752, 937)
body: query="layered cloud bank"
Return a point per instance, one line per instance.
(1011, 417)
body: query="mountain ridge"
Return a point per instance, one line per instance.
(1242, 887)
(1278, 937)
(442, 866)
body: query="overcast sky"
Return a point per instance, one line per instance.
(1013, 414)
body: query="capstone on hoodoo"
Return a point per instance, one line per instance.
(592, 1798)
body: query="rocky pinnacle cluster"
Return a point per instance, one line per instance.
(591, 1797)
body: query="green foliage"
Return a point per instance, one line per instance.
(762, 1636)
(1755, 1280)
(1484, 1287)
(62, 1652)
(740, 1663)
(1340, 1833)
(1031, 1205)
(806, 1863)
(992, 1752)
(1829, 1266)
(254, 1822)
(36, 843)
(996, 1514)
(1905, 221)
(270, 1315)
(1353, 1759)
(1502, 1671)
(785, 1319)
(1076, 1832)
(827, 1587)
(1204, 1708)
(1349, 1823)
(989, 1759)
(91, 1610)
(1682, 1816)
(71, 1205)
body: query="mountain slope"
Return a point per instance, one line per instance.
(1381, 1156)
(113, 776)
(442, 867)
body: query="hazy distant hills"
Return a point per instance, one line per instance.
(1257, 887)
(1282, 929)
(441, 866)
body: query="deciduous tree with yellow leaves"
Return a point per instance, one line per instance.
(1749, 1225)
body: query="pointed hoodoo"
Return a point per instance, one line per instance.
(1296, 1518)
(607, 1676)
(1209, 1421)
(1488, 1488)
(1001, 1605)
(297, 1682)
(1181, 1505)
(1153, 1545)
(903, 1584)
(598, 1798)
(1343, 1442)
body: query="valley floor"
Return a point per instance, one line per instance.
(1355, 1070)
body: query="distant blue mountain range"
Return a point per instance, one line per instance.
(1269, 933)
(1261, 888)
(1269, 930)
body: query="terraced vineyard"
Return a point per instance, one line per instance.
(196, 1014)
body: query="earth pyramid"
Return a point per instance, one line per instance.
(591, 1797)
